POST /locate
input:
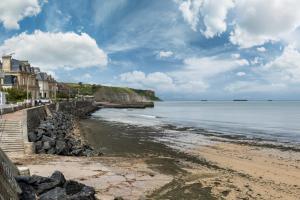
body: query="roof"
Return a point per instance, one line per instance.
(42, 76)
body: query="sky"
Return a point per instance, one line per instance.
(182, 49)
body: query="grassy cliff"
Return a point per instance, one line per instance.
(114, 94)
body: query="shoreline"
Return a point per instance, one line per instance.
(135, 165)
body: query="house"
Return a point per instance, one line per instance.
(19, 74)
(47, 85)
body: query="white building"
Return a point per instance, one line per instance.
(42, 78)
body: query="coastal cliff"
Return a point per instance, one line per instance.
(116, 95)
(123, 95)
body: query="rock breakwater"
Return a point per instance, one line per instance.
(55, 135)
(53, 188)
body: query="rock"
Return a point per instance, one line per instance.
(57, 193)
(87, 193)
(47, 139)
(58, 176)
(76, 152)
(32, 137)
(39, 183)
(46, 146)
(28, 192)
(51, 151)
(61, 147)
(38, 145)
(73, 187)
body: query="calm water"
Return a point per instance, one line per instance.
(275, 120)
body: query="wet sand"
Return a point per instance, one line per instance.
(136, 165)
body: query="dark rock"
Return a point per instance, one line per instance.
(51, 151)
(46, 146)
(55, 194)
(39, 183)
(73, 187)
(32, 137)
(47, 139)
(28, 192)
(58, 176)
(38, 145)
(76, 152)
(61, 147)
(87, 193)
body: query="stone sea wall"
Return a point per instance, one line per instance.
(51, 129)
(35, 115)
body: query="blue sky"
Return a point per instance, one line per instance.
(182, 49)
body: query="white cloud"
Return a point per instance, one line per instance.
(281, 74)
(254, 22)
(240, 73)
(214, 14)
(256, 60)
(165, 54)
(51, 51)
(285, 68)
(261, 49)
(13, 11)
(206, 67)
(257, 22)
(236, 55)
(190, 11)
(157, 80)
(162, 82)
(193, 77)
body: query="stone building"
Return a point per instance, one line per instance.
(19, 74)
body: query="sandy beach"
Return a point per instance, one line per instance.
(136, 166)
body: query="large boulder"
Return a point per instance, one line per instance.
(86, 193)
(39, 183)
(57, 193)
(59, 177)
(28, 192)
(73, 187)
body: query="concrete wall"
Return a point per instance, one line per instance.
(33, 116)
(9, 188)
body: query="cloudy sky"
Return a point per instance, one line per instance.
(182, 49)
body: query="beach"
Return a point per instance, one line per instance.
(138, 165)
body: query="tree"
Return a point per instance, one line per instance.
(16, 95)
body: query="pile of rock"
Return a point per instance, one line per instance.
(55, 187)
(54, 136)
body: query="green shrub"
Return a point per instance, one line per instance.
(15, 95)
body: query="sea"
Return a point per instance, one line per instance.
(276, 122)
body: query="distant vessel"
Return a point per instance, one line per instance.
(240, 100)
(270, 100)
(203, 99)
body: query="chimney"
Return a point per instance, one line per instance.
(6, 63)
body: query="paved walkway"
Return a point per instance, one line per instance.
(14, 116)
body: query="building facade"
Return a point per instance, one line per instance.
(20, 74)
